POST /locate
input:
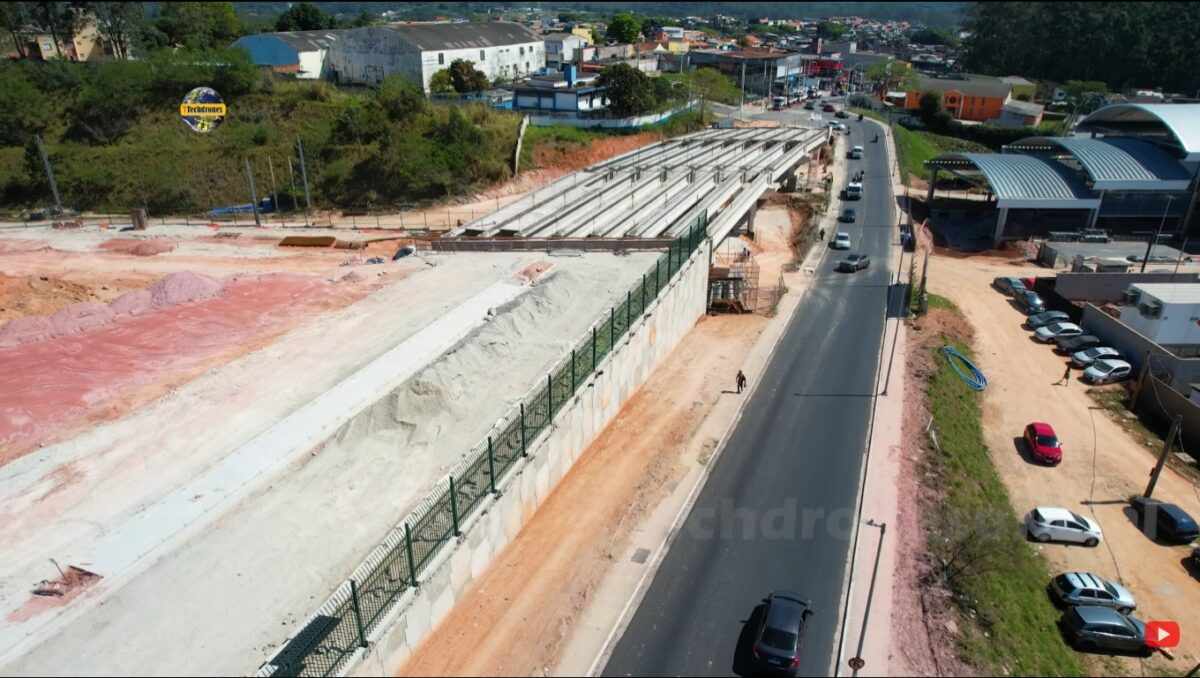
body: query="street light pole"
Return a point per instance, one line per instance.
(1161, 224)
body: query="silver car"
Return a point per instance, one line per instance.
(1107, 370)
(1053, 331)
(1085, 588)
(1052, 523)
(1086, 357)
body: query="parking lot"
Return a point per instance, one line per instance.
(1102, 464)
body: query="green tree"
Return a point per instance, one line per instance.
(441, 82)
(14, 16)
(624, 28)
(304, 16)
(400, 98)
(59, 19)
(363, 20)
(24, 109)
(628, 90)
(199, 25)
(119, 23)
(831, 30)
(466, 78)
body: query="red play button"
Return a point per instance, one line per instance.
(1162, 633)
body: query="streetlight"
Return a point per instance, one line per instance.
(1161, 224)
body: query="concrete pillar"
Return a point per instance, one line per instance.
(1096, 212)
(1001, 218)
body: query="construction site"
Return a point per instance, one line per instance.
(280, 450)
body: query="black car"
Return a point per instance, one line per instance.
(842, 114)
(1009, 286)
(854, 262)
(848, 216)
(1069, 345)
(1164, 521)
(808, 106)
(1102, 629)
(777, 642)
(1030, 302)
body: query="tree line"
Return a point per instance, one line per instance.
(1122, 44)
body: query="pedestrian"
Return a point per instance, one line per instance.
(1066, 377)
(741, 381)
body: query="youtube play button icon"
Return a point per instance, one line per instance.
(1162, 633)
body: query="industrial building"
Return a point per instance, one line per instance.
(501, 50)
(1129, 168)
(298, 53)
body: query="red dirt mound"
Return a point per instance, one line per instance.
(141, 248)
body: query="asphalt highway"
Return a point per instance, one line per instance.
(778, 509)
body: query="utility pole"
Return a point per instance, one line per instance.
(292, 175)
(49, 173)
(1161, 224)
(1162, 458)
(274, 189)
(304, 176)
(253, 194)
(742, 101)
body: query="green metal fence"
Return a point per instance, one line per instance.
(343, 623)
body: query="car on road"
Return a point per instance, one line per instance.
(1045, 318)
(1009, 286)
(1071, 345)
(1107, 371)
(856, 153)
(1088, 356)
(828, 108)
(779, 638)
(1029, 302)
(1096, 628)
(848, 215)
(854, 262)
(841, 241)
(1051, 523)
(1043, 443)
(1085, 588)
(809, 106)
(1164, 521)
(842, 114)
(854, 190)
(1048, 333)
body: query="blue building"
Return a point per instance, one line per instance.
(300, 53)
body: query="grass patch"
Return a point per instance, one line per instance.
(914, 147)
(997, 578)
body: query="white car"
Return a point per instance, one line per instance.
(1087, 357)
(1049, 523)
(1053, 331)
(841, 241)
(854, 190)
(856, 153)
(1107, 370)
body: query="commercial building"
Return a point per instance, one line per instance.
(1129, 168)
(501, 50)
(966, 96)
(566, 92)
(1166, 313)
(298, 53)
(562, 48)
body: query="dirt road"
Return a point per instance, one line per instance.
(1102, 464)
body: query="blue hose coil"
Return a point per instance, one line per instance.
(974, 379)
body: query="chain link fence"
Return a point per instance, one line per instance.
(328, 640)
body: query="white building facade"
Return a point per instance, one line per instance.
(1167, 313)
(501, 50)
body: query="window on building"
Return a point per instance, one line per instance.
(441, 58)
(526, 66)
(482, 56)
(522, 51)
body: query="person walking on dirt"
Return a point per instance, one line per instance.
(741, 381)
(1066, 377)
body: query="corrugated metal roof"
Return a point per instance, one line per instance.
(308, 41)
(1023, 180)
(439, 36)
(967, 83)
(1183, 120)
(1123, 159)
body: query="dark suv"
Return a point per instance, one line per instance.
(778, 641)
(1164, 521)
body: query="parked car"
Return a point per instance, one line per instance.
(1030, 302)
(1043, 443)
(854, 262)
(1086, 357)
(780, 637)
(1009, 286)
(1048, 333)
(1091, 627)
(1049, 523)
(1107, 371)
(1045, 318)
(1164, 521)
(1029, 282)
(828, 108)
(1093, 235)
(1070, 345)
(848, 215)
(841, 241)
(1085, 588)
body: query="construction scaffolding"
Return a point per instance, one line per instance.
(733, 279)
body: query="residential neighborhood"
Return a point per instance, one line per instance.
(604, 339)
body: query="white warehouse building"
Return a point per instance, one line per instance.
(499, 49)
(1166, 313)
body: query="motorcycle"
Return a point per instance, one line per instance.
(875, 140)
(860, 117)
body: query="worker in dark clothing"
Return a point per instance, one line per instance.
(1066, 377)
(741, 381)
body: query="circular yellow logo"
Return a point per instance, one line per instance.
(202, 109)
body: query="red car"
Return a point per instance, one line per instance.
(1043, 443)
(828, 108)
(1028, 282)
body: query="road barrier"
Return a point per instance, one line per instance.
(329, 639)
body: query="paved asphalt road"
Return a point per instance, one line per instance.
(778, 508)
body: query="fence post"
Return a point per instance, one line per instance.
(454, 507)
(643, 293)
(574, 383)
(362, 634)
(549, 397)
(412, 566)
(524, 449)
(612, 328)
(657, 276)
(670, 259)
(492, 466)
(628, 309)
(593, 348)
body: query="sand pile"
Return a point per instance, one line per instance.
(174, 289)
(141, 248)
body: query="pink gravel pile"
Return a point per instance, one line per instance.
(79, 317)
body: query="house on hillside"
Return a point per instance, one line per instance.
(562, 48)
(86, 44)
(566, 93)
(1016, 113)
(298, 53)
(501, 50)
(966, 96)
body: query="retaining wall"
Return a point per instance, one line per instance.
(523, 489)
(1102, 287)
(1173, 370)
